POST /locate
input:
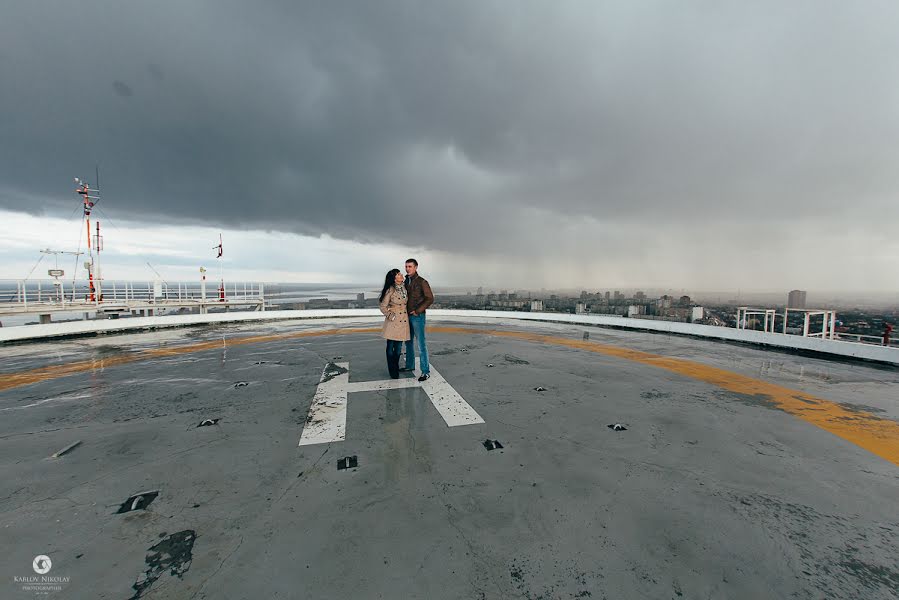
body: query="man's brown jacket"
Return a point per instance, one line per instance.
(420, 295)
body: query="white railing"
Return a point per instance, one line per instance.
(61, 294)
(876, 340)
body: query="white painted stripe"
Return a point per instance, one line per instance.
(326, 421)
(451, 406)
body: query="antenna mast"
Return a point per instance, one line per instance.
(90, 197)
(221, 272)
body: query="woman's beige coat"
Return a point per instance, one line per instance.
(398, 329)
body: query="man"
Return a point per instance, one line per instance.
(420, 298)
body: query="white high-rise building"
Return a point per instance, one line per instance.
(796, 299)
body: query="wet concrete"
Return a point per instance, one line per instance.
(707, 494)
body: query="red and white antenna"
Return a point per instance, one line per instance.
(90, 197)
(221, 273)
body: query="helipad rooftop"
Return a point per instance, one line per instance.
(276, 460)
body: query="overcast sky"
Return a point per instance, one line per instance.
(699, 145)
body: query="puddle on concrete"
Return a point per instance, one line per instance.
(762, 400)
(514, 360)
(861, 408)
(173, 554)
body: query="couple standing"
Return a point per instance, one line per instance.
(403, 302)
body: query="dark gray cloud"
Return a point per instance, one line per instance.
(461, 126)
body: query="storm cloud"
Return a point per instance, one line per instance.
(496, 129)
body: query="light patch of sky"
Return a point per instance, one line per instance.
(177, 253)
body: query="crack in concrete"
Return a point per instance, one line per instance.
(221, 564)
(297, 479)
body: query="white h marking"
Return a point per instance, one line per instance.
(326, 421)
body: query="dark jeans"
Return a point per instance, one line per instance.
(394, 349)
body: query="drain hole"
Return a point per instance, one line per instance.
(492, 444)
(586, 335)
(138, 502)
(350, 462)
(490, 365)
(539, 388)
(208, 422)
(617, 427)
(241, 384)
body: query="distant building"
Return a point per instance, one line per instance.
(796, 299)
(509, 303)
(360, 297)
(685, 301)
(536, 305)
(640, 296)
(480, 291)
(580, 308)
(698, 314)
(608, 296)
(635, 310)
(619, 295)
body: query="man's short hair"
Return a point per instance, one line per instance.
(413, 261)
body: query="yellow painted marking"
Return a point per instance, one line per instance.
(874, 434)
(12, 380)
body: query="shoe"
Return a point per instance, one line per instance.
(404, 369)
(424, 377)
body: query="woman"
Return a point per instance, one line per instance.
(396, 320)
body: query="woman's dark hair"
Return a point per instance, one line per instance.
(388, 283)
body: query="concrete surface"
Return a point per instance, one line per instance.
(708, 494)
(836, 348)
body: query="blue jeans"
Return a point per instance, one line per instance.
(417, 331)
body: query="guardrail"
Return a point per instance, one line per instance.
(34, 296)
(858, 338)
